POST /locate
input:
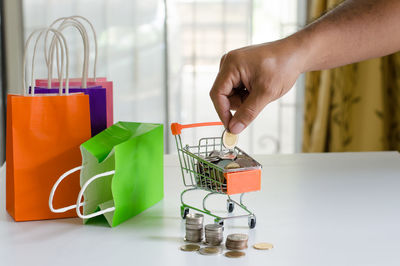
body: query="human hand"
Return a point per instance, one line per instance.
(251, 77)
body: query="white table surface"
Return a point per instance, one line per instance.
(317, 209)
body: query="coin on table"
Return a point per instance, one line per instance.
(234, 254)
(190, 247)
(263, 246)
(229, 140)
(210, 250)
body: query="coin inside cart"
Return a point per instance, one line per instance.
(229, 140)
(202, 165)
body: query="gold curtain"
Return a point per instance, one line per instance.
(354, 107)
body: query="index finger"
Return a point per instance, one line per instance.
(221, 90)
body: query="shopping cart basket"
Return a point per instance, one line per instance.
(200, 173)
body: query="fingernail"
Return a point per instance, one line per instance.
(236, 127)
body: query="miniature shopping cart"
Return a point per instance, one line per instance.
(199, 173)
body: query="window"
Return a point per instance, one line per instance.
(131, 49)
(166, 80)
(201, 32)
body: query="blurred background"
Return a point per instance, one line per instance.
(163, 56)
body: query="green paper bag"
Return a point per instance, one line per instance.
(121, 172)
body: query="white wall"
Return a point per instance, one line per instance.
(13, 46)
(13, 41)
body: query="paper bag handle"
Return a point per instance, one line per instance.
(74, 18)
(79, 203)
(54, 188)
(87, 183)
(94, 37)
(49, 59)
(65, 48)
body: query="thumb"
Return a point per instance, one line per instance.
(247, 112)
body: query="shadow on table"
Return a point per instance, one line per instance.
(38, 231)
(5, 217)
(47, 230)
(173, 239)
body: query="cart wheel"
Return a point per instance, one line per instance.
(230, 206)
(184, 212)
(252, 221)
(218, 221)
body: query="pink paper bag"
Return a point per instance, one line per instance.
(76, 82)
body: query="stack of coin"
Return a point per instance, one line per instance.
(236, 241)
(214, 234)
(194, 227)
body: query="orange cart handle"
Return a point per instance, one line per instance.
(176, 128)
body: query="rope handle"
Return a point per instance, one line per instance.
(79, 201)
(54, 188)
(87, 183)
(61, 40)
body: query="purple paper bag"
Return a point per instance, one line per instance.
(97, 102)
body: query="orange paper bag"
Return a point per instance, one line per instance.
(43, 138)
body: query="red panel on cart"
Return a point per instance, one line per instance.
(244, 181)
